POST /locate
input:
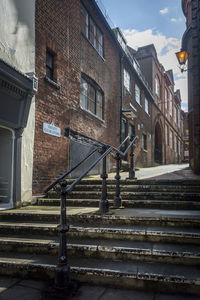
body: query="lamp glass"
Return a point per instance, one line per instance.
(182, 57)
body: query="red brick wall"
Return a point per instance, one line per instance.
(58, 29)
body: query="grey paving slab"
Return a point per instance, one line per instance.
(115, 294)
(89, 292)
(6, 282)
(175, 297)
(20, 292)
(35, 284)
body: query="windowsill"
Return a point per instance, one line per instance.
(93, 115)
(144, 150)
(52, 83)
(93, 46)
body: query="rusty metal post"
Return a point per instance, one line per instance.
(117, 200)
(104, 204)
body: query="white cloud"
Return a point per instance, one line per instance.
(166, 48)
(176, 20)
(164, 11)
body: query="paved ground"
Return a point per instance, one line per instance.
(19, 289)
(16, 288)
(180, 171)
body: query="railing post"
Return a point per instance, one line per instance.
(104, 204)
(117, 200)
(131, 165)
(62, 277)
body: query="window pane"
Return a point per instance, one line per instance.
(146, 106)
(83, 93)
(91, 99)
(99, 42)
(49, 60)
(127, 80)
(137, 94)
(92, 33)
(99, 106)
(84, 21)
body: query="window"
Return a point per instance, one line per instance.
(91, 97)
(170, 105)
(144, 142)
(131, 130)
(166, 101)
(157, 86)
(147, 110)
(175, 115)
(127, 80)
(84, 21)
(137, 94)
(91, 31)
(49, 65)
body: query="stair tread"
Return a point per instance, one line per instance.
(99, 244)
(127, 213)
(125, 200)
(140, 229)
(136, 269)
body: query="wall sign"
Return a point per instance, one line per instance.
(51, 129)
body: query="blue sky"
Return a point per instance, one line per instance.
(160, 22)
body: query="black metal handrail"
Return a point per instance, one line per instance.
(62, 277)
(58, 180)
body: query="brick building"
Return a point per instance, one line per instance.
(77, 64)
(166, 118)
(191, 43)
(92, 87)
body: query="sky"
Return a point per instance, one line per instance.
(160, 22)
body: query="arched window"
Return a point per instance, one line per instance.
(91, 96)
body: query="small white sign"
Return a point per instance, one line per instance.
(51, 129)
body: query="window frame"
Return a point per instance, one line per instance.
(147, 106)
(127, 80)
(88, 35)
(50, 67)
(137, 89)
(157, 86)
(91, 84)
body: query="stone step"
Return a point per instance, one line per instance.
(165, 204)
(140, 187)
(117, 273)
(131, 195)
(90, 215)
(114, 249)
(175, 182)
(81, 231)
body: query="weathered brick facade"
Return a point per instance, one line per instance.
(58, 30)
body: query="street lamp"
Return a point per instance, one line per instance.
(182, 57)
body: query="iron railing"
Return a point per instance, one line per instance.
(62, 277)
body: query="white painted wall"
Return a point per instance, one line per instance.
(17, 47)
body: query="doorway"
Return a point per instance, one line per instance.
(6, 167)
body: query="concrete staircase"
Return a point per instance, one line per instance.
(152, 243)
